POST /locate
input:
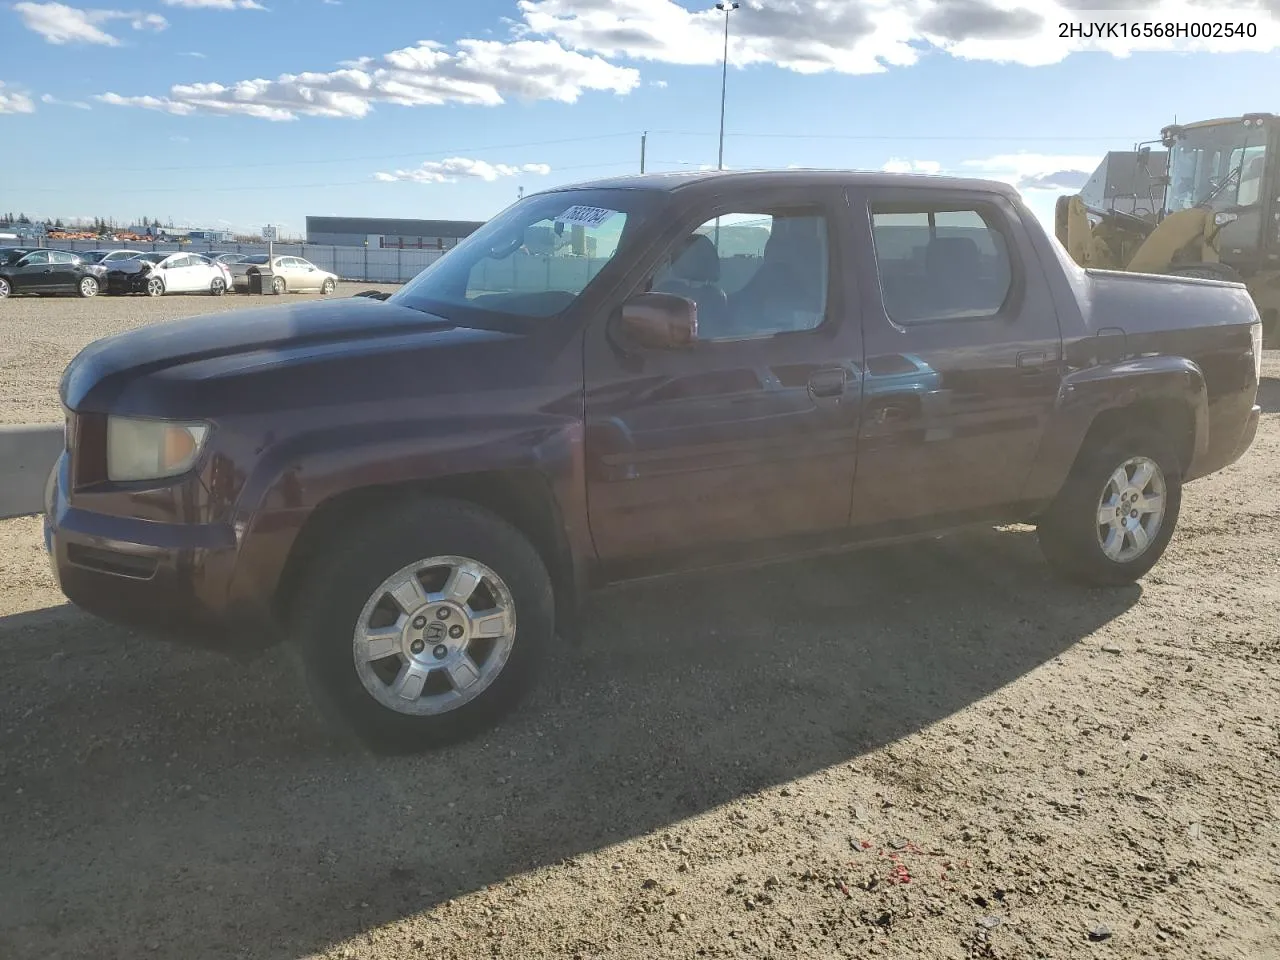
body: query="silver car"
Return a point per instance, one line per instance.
(281, 274)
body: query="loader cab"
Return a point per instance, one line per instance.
(1231, 166)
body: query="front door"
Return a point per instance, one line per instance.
(749, 433)
(963, 356)
(34, 273)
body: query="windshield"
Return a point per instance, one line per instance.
(533, 260)
(1226, 159)
(152, 257)
(93, 256)
(259, 258)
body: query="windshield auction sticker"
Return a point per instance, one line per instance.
(587, 216)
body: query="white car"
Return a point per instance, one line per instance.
(282, 274)
(157, 274)
(108, 257)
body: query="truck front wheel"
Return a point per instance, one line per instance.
(425, 624)
(1115, 514)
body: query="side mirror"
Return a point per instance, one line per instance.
(660, 320)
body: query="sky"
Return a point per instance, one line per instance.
(242, 113)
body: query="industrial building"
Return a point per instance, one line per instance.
(381, 233)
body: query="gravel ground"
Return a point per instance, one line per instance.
(928, 751)
(39, 336)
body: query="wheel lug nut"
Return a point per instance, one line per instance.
(441, 651)
(455, 631)
(419, 622)
(442, 613)
(417, 646)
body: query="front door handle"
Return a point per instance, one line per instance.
(828, 383)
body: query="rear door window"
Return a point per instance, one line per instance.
(940, 262)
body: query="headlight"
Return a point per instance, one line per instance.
(151, 449)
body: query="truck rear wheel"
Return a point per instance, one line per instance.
(425, 625)
(1114, 516)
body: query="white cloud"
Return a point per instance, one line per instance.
(60, 24)
(15, 101)
(54, 101)
(897, 165)
(216, 4)
(460, 168)
(1037, 171)
(192, 53)
(1028, 172)
(869, 36)
(477, 72)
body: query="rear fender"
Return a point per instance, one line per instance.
(1143, 387)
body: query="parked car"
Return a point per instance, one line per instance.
(10, 254)
(229, 258)
(418, 491)
(282, 275)
(157, 274)
(45, 272)
(109, 257)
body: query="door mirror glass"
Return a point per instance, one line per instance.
(663, 321)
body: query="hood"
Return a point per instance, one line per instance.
(222, 343)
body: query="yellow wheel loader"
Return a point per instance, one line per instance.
(1214, 213)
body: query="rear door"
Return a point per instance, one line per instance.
(963, 356)
(65, 271)
(750, 433)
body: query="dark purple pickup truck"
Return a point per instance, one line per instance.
(625, 378)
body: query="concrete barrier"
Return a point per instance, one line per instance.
(27, 455)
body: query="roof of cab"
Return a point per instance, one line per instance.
(670, 182)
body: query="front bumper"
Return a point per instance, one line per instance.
(171, 578)
(119, 282)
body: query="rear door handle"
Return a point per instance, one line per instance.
(828, 383)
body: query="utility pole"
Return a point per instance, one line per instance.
(643, 137)
(727, 7)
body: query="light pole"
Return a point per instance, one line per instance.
(727, 8)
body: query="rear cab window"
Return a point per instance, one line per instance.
(941, 261)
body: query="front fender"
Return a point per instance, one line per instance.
(1088, 393)
(292, 478)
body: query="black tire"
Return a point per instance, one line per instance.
(218, 287)
(5, 289)
(87, 287)
(1069, 530)
(327, 288)
(155, 287)
(335, 588)
(278, 286)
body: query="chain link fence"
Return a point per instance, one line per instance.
(363, 264)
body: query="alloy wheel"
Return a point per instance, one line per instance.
(1131, 509)
(434, 635)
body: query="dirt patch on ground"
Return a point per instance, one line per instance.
(929, 751)
(39, 336)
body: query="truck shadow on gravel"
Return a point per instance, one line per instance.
(175, 801)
